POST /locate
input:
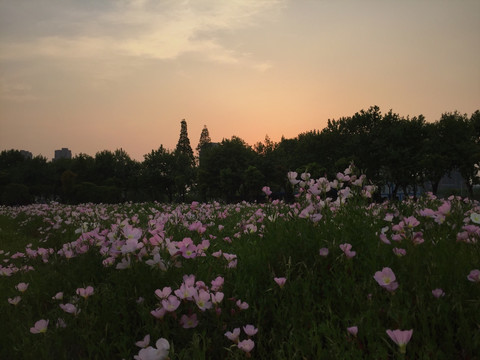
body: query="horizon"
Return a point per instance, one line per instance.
(74, 154)
(94, 76)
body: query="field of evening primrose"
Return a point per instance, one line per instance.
(320, 278)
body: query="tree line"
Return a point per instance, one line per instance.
(402, 153)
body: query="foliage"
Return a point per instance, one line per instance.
(397, 154)
(204, 140)
(222, 169)
(184, 168)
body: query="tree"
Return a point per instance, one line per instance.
(184, 162)
(397, 151)
(270, 163)
(183, 144)
(84, 166)
(104, 167)
(158, 173)
(459, 132)
(435, 160)
(68, 181)
(204, 140)
(223, 169)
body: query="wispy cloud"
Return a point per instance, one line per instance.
(16, 91)
(155, 30)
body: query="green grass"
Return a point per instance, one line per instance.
(307, 319)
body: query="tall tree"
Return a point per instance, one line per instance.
(183, 144)
(204, 139)
(184, 162)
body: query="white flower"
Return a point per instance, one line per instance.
(151, 353)
(475, 218)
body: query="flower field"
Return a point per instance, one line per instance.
(331, 276)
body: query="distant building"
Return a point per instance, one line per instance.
(64, 153)
(26, 154)
(452, 181)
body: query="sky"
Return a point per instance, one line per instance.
(95, 75)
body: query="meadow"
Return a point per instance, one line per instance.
(325, 277)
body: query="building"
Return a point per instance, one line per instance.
(64, 153)
(451, 183)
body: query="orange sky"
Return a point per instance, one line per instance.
(93, 75)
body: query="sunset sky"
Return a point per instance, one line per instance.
(92, 75)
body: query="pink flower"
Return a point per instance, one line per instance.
(217, 297)
(411, 222)
(267, 190)
(438, 293)
(445, 208)
(250, 330)
(85, 293)
(399, 252)
(158, 313)
(418, 238)
(189, 280)
(70, 308)
(185, 291)
(242, 305)
(401, 338)
(202, 299)
(189, 322)
(346, 248)
(144, 343)
(323, 252)
(233, 336)
(15, 300)
(22, 287)
(217, 254)
(386, 279)
(151, 353)
(60, 323)
(58, 296)
(232, 264)
(246, 345)
(280, 281)
(198, 227)
(217, 283)
(171, 304)
(40, 327)
(388, 217)
(353, 330)
(164, 293)
(292, 177)
(474, 275)
(189, 252)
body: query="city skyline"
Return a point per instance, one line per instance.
(95, 76)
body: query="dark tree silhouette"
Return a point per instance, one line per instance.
(158, 174)
(184, 163)
(204, 139)
(183, 144)
(403, 153)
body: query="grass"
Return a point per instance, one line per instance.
(306, 319)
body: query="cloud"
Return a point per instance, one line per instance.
(16, 91)
(153, 30)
